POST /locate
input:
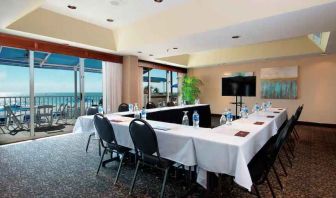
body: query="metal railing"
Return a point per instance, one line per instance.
(21, 103)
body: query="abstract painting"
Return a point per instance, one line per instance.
(279, 83)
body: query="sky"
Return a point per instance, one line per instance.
(15, 81)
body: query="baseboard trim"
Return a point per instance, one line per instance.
(316, 124)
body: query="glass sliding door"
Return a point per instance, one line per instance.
(93, 83)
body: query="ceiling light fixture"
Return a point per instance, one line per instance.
(139, 52)
(236, 37)
(109, 20)
(175, 48)
(158, 1)
(151, 55)
(72, 7)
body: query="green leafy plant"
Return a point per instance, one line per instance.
(190, 89)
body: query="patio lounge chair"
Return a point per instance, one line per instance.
(13, 123)
(44, 115)
(61, 113)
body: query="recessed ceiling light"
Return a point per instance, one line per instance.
(158, 1)
(236, 37)
(72, 7)
(139, 52)
(109, 20)
(114, 3)
(151, 55)
(175, 48)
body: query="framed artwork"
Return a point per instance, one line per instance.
(279, 82)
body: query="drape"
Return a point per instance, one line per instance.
(112, 86)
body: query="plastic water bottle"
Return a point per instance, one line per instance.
(136, 111)
(222, 120)
(143, 114)
(130, 107)
(246, 112)
(100, 109)
(195, 119)
(229, 117)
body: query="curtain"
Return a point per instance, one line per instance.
(112, 86)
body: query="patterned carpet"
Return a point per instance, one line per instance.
(59, 167)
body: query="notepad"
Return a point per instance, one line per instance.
(259, 123)
(242, 133)
(161, 128)
(270, 116)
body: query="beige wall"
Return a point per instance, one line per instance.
(316, 86)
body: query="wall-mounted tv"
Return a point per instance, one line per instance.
(239, 86)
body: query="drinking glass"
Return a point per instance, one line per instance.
(185, 119)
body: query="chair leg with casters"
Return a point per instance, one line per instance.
(119, 168)
(101, 160)
(164, 182)
(134, 177)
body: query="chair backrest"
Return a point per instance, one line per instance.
(123, 107)
(150, 105)
(11, 115)
(104, 128)
(92, 110)
(170, 104)
(44, 110)
(283, 135)
(144, 137)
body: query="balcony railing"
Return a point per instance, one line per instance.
(21, 103)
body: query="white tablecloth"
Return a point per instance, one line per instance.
(216, 150)
(230, 154)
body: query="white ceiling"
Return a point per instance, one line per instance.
(123, 12)
(293, 24)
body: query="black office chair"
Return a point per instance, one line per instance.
(263, 162)
(123, 107)
(150, 105)
(146, 145)
(106, 134)
(170, 104)
(92, 111)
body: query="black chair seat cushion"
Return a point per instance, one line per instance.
(154, 160)
(120, 149)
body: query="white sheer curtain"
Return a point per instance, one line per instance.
(112, 86)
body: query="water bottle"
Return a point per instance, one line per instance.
(229, 117)
(143, 114)
(100, 109)
(136, 111)
(222, 120)
(264, 106)
(245, 111)
(195, 119)
(130, 107)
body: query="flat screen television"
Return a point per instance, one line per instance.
(239, 86)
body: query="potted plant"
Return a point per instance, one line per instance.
(190, 89)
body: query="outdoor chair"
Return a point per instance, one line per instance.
(13, 121)
(44, 115)
(62, 113)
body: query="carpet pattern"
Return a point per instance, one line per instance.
(59, 167)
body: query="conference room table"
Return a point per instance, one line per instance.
(217, 150)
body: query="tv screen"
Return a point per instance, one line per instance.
(239, 86)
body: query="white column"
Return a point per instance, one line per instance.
(81, 85)
(31, 92)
